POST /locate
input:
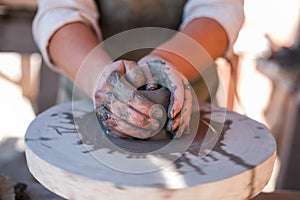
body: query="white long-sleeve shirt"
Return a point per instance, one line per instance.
(54, 14)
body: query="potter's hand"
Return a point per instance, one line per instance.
(180, 106)
(121, 108)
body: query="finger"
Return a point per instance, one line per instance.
(132, 72)
(105, 115)
(124, 111)
(109, 130)
(132, 130)
(183, 118)
(106, 120)
(121, 66)
(129, 64)
(180, 131)
(147, 74)
(185, 114)
(136, 77)
(128, 94)
(170, 78)
(102, 96)
(174, 123)
(122, 126)
(127, 113)
(115, 66)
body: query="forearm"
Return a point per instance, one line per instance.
(209, 34)
(204, 31)
(68, 48)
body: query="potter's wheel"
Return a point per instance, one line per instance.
(76, 165)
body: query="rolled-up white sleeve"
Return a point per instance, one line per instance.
(228, 13)
(54, 14)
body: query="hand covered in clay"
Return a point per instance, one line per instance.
(122, 110)
(180, 105)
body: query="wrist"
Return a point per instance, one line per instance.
(175, 61)
(91, 71)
